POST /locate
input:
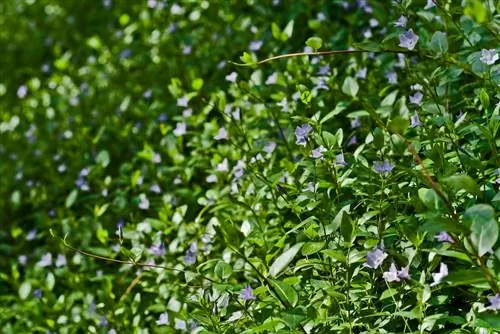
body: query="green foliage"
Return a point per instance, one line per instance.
(344, 178)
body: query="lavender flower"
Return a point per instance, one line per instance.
(22, 259)
(375, 258)
(22, 91)
(232, 77)
(361, 74)
(247, 293)
(383, 167)
(401, 22)
(494, 302)
(31, 234)
(180, 324)
(269, 147)
(61, 260)
(255, 45)
(339, 160)
(404, 273)
(408, 40)
(157, 249)
(392, 274)
(415, 121)
(438, 277)
(416, 98)
(155, 189)
(272, 79)
(191, 254)
(318, 152)
(302, 133)
(212, 178)
(143, 202)
(221, 134)
(444, 237)
(163, 319)
(430, 4)
(392, 77)
(38, 293)
(223, 166)
(283, 104)
(180, 129)
(355, 123)
(324, 70)
(352, 141)
(489, 57)
(103, 322)
(45, 261)
(183, 101)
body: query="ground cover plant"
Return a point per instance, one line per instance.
(249, 166)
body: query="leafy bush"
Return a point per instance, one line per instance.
(250, 166)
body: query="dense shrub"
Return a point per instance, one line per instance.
(249, 166)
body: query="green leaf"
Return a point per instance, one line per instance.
(346, 227)
(434, 225)
(350, 87)
(70, 200)
(460, 181)
(485, 99)
(284, 260)
(103, 158)
(223, 270)
(288, 31)
(483, 225)
(24, 290)
(367, 46)
(51, 281)
(306, 97)
(439, 43)
(314, 42)
(431, 199)
(398, 124)
(312, 247)
(465, 277)
(476, 10)
(276, 31)
(294, 317)
(285, 292)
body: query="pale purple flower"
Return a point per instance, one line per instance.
(176, 9)
(373, 23)
(408, 40)
(322, 85)
(23, 259)
(221, 134)
(352, 141)
(494, 302)
(183, 101)
(156, 158)
(444, 237)
(45, 261)
(339, 160)
(361, 74)
(367, 34)
(438, 277)
(401, 22)
(180, 129)
(38, 293)
(212, 178)
(60, 260)
(392, 274)
(236, 114)
(355, 123)
(430, 4)
(383, 167)
(321, 17)
(269, 147)
(416, 98)
(283, 104)
(302, 133)
(272, 79)
(324, 70)
(223, 166)
(31, 234)
(415, 121)
(155, 188)
(180, 324)
(157, 249)
(127, 53)
(392, 77)
(162, 117)
(103, 322)
(489, 57)
(143, 202)
(163, 319)
(417, 87)
(192, 252)
(375, 258)
(22, 91)
(152, 4)
(112, 331)
(404, 273)
(255, 45)
(186, 50)
(317, 153)
(232, 77)
(247, 293)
